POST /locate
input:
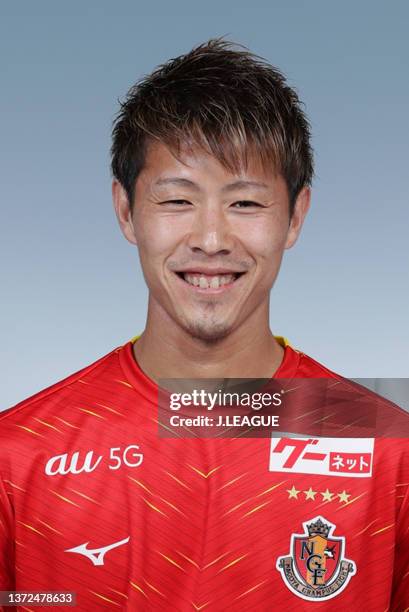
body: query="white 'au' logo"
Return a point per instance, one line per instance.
(60, 465)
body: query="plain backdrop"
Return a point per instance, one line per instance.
(72, 288)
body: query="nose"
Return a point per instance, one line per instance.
(210, 232)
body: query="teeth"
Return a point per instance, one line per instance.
(209, 282)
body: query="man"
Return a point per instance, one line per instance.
(212, 170)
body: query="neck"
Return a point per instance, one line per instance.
(164, 350)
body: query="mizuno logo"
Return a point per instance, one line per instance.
(96, 555)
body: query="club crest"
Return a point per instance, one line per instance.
(315, 568)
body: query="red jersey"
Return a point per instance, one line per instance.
(93, 501)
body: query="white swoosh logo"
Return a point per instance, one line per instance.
(96, 555)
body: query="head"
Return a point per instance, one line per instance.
(212, 168)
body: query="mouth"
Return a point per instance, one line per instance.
(210, 283)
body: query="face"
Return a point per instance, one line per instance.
(210, 241)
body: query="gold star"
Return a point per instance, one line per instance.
(310, 494)
(343, 497)
(326, 495)
(293, 492)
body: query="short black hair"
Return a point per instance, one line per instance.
(223, 98)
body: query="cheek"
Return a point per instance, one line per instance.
(157, 239)
(265, 240)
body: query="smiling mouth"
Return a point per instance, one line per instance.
(209, 281)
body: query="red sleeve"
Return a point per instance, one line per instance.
(400, 593)
(6, 541)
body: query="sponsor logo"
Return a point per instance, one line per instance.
(352, 457)
(65, 464)
(96, 555)
(75, 463)
(315, 568)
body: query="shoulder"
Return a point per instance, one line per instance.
(311, 368)
(73, 411)
(60, 390)
(350, 407)
(297, 364)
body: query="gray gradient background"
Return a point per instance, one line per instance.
(71, 285)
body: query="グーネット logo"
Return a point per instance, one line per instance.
(315, 568)
(352, 457)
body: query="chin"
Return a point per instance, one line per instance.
(210, 333)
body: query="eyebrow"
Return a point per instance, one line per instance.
(183, 182)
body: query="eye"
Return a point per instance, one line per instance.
(176, 203)
(247, 204)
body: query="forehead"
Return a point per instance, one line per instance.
(195, 164)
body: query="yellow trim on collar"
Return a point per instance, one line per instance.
(283, 341)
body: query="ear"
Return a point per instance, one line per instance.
(301, 207)
(122, 211)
